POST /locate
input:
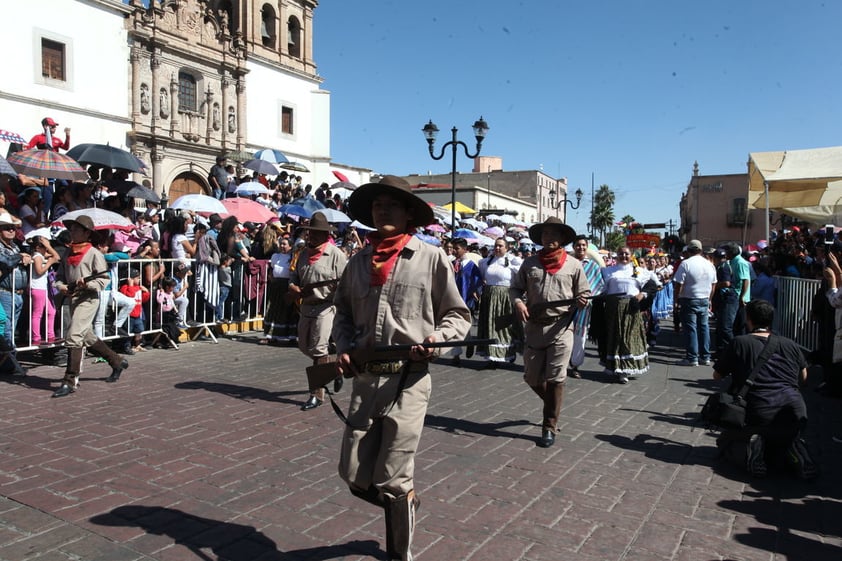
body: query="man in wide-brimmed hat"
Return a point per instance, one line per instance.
(313, 281)
(82, 276)
(396, 290)
(543, 294)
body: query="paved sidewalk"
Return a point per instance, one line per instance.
(203, 454)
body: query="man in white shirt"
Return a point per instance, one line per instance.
(695, 281)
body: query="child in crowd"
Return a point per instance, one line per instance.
(166, 308)
(224, 274)
(133, 288)
(43, 257)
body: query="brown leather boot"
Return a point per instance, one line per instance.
(115, 361)
(317, 396)
(71, 375)
(552, 408)
(400, 525)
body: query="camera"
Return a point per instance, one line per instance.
(828, 234)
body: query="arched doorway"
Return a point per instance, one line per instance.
(187, 183)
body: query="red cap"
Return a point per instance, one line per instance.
(49, 122)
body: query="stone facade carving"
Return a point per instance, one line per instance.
(165, 103)
(145, 102)
(232, 120)
(216, 117)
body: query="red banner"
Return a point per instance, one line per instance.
(643, 241)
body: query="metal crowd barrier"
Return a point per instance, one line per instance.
(793, 308)
(246, 301)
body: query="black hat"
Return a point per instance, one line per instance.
(359, 203)
(567, 233)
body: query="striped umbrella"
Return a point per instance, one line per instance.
(9, 136)
(47, 163)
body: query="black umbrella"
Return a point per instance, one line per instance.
(106, 156)
(141, 192)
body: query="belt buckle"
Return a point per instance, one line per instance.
(385, 367)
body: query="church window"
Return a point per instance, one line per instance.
(287, 120)
(53, 60)
(186, 92)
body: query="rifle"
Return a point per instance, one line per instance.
(541, 306)
(319, 375)
(71, 288)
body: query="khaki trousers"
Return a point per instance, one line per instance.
(546, 354)
(80, 332)
(314, 332)
(380, 441)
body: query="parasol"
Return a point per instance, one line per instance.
(102, 219)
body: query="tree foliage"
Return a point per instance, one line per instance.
(602, 217)
(615, 240)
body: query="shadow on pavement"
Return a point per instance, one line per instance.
(246, 393)
(685, 420)
(449, 424)
(664, 449)
(226, 540)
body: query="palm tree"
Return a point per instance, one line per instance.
(602, 217)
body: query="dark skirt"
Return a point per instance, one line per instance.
(497, 321)
(625, 337)
(280, 323)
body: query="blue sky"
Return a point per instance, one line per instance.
(633, 92)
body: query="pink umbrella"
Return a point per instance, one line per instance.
(494, 232)
(435, 228)
(247, 210)
(341, 176)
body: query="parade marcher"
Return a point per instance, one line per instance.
(582, 319)
(626, 285)
(397, 290)
(543, 281)
(496, 314)
(469, 284)
(81, 277)
(314, 281)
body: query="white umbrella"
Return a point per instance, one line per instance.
(43, 232)
(507, 219)
(360, 226)
(476, 224)
(199, 203)
(252, 188)
(343, 192)
(102, 219)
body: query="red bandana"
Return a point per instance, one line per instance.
(385, 255)
(552, 261)
(313, 253)
(77, 252)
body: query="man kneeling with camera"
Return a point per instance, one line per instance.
(776, 415)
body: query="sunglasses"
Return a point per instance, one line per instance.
(8, 228)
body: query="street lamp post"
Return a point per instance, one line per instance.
(564, 201)
(430, 131)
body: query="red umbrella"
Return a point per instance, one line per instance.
(247, 210)
(341, 176)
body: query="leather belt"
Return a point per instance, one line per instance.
(389, 367)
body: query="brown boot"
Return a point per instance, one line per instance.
(71, 375)
(115, 361)
(400, 526)
(552, 407)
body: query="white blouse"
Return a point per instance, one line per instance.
(498, 271)
(280, 265)
(620, 279)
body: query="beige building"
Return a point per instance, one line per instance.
(714, 210)
(531, 195)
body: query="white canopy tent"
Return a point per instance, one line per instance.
(806, 184)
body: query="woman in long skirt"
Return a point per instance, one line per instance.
(496, 315)
(625, 337)
(281, 320)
